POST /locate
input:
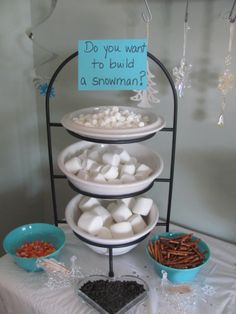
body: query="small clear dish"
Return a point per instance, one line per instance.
(125, 307)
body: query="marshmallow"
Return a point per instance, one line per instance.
(144, 169)
(137, 223)
(87, 203)
(124, 155)
(134, 161)
(128, 169)
(121, 230)
(120, 212)
(142, 206)
(111, 205)
(141, 175)
(104, 213)
(95, 168)
(127, 178)
(109, 172)
(128, 201)
(90, 223)
(73, 165)
(83, 174)
(95, 155)
(115, 181)
(108, 117)
(104, 233)
(83, 155)
(87, 164)
(111, 159)
(98, 177)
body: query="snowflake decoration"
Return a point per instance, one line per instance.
(43, 87)
(181, 75)
(208, 290)
(181, 72)
(221, 120)
(226, 82)
(149, 95)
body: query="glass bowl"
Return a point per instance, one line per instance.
(124, 308)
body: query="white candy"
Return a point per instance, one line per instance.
(73, 165)
(142, 206)
(134, 161)
(109, 172)
(87, 164)
(121, 230)
(83, 155)
(104, 213)
(124, 155)
(112, 117)
(137, 223)
(98, 177)
(111, 205)
(87, 203)
(83, 175)
(144, 169)
(128, 169)
(95, 168)
(114, 181)
(127, 178)
(128, 201)
(141, 175)
(120, 212)
(95, 155)
(111, 159)
(104, 233)
(90, 223)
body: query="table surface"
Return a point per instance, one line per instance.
(27, 293)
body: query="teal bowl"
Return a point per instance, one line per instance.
(176, 275)
(31, 232)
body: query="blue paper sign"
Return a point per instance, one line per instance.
(116, 64)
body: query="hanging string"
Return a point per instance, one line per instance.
(181, 73)
(226, 80)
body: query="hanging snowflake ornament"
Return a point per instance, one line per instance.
(182, 72)
(182, 77)
(226, 80)
(148, 96)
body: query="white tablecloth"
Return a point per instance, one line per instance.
(27, 293)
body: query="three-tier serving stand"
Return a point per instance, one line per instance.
(53, 176)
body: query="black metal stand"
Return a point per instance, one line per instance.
(54, 176)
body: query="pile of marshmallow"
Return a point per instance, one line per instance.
(109, 164)
(112, 117)
(115, 220)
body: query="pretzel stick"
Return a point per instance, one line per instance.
(177, 252)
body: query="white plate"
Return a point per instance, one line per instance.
(72, 214)
(155, 124)
(140, 152)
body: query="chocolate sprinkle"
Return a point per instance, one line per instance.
(112, 295)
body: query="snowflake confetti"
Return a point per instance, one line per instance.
(208, 290)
